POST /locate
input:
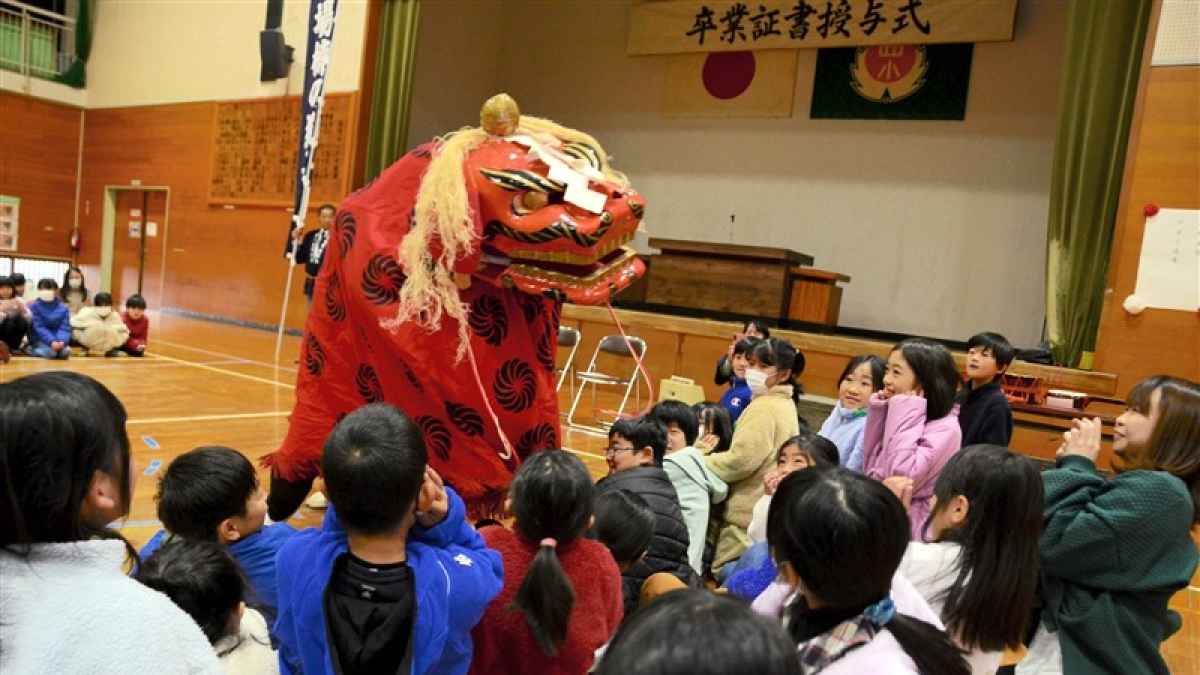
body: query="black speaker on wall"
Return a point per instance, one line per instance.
(275, 53)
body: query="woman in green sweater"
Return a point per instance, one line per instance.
(1114, 551)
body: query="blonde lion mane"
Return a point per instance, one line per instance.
(443, 217)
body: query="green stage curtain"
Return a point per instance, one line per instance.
(390, 101)
(76, 75)
(1099, 84)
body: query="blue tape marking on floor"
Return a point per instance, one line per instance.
(152, 468)
(150, 442)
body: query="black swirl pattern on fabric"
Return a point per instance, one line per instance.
(437, 436)
(368, 385)
(347, 230)
(515, 386)
(488, 320)
(541, 437)
(531, 306)
(314, 355)
(545, 350)
(382, 279)
(410, 376)
(465, 418)
(333, 298)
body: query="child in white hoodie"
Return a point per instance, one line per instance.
(98, 328)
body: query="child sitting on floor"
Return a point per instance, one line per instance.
(212, 494)
(697, 487)
(624, 523)
(984, 414)
(138, 324)
(14, 318)
(862, 377)
(50, 336)
(205, 582)
(562, 592)
(399, 587)
(98, 329)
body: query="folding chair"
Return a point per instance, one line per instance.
(613, 346)
(568, 338)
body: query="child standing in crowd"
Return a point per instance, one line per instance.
(695, 484)
(66, 602)
(769, 420)
(50, 337)
(984, 414)
(138, 324)
(1114, 551)
(401, 586)
(912, 424)
(635, 456)
(838, 537)
(14, 318)
(862, 377)
(212, 494)
(202, 580)
(98, 329)
(738, 395)
(980, 571)
(565, 589)
(74, 292)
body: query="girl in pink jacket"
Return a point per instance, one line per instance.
(912, 425)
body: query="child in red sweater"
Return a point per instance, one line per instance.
(562, 592)
(138, 324)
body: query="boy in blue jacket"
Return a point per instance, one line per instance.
(50, 334)
(395, 579)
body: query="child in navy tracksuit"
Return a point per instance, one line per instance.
(984, 414)
(395, 579)
(50, 335)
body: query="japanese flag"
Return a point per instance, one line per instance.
(730, 84)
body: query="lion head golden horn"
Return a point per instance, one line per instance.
(500, 115)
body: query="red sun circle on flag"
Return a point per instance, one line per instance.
(728, 75)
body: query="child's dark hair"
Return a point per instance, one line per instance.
(624, 524)
(7, 282)
(203, 487)
(643, 432)
(745, 345)
(1001, 349)
(18, 279)
(716, 419)
(1176, 435)
(991, 599)
(878, 368)
(326, 207)
(57, 429)
(681, 415)
(66, 286)
(102, 299)
(934, 368)
(821, 452)
(844, 535)
(135, 301)
(201, 578)
(374, 465)
(47, 284)
(758, 325)
(782, 355)
(695, 632)
(552, 498)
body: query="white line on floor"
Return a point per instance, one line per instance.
(96, 364)
(223, 354)
(208, 418)
(223, 371)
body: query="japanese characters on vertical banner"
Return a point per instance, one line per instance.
(10, 212)
(321, 17)
(680, 26)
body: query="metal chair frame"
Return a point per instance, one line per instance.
(615, 345)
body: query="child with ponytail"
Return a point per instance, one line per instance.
(562, 592)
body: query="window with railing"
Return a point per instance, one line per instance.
(35, 41)
(33, 269)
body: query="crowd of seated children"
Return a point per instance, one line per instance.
(635, 457)
(97, 329)
(204, 581)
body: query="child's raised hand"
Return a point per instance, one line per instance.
(432, 502)
(883, 394)
(1083, 439)
(771, 481)
(707, 443)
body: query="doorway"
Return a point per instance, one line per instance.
(135, 239)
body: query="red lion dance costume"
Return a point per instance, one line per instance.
(441, 292)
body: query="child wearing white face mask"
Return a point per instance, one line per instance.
(98, 328)
(766, 423)
(50, 336)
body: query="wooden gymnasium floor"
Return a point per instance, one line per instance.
(211, 383)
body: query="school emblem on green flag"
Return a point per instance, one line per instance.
(913, 82)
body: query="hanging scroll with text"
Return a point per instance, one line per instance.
(683, 26)
(254, 155)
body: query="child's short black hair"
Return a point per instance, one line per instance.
(624, 524)
(878, 368)
(643, 432)
(47, 284)
(136, 301)
(374, 465)
(758, 325)
(327, 207)
(745, 345)
(935, 372)
(203, 487)
(720, 424)
(102, 300)
(681, 415)
(7, 281)
(1001, 349)
(18, 279)
(822, 453)
(201, 578)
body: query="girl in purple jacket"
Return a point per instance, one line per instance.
(912, 424)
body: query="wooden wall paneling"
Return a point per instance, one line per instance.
(366, 92)
(39, 152)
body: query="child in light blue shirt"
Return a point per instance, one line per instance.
(862, 376)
